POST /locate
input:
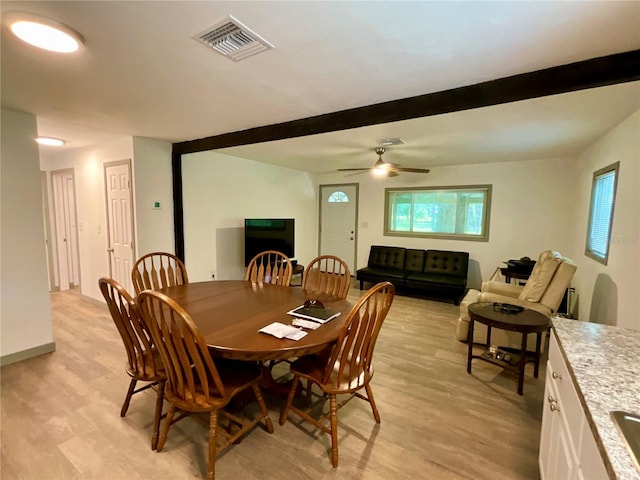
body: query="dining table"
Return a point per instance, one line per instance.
(230, 313)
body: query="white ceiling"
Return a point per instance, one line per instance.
(142, 74)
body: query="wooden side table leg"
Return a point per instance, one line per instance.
(523, 359)
(536, 365)
(470, 350)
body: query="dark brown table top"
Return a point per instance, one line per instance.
(526, 321)
(230, 313)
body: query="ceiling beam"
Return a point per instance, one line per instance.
(597, 72)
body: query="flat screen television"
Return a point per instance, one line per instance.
(262, 234)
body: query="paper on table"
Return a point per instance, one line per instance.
(280, 330)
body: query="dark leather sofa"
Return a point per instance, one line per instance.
(437, 273)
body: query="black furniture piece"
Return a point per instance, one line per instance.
(525, 321)
(438, 273)
(518, 269)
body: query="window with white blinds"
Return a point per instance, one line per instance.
(603, 197)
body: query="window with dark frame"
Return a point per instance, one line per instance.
(458, 212)
(603, 198)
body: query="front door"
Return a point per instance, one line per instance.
(338, 211)
(120, 221)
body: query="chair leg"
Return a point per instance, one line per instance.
(165, 428)
(158, 415)
(309, 385)
(376, 414)
(287, 405)
(213, 425)
(263, 408)
(127, 399)
(334, 429)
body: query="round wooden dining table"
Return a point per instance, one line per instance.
(230, 313)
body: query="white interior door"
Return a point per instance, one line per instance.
(72, 231)
(47, 230)
(66, 230)
(338, 211)
(120, 222)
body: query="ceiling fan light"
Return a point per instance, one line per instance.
(380, 171)
(53, 142)
(44, 33)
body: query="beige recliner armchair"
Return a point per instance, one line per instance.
(543, 292)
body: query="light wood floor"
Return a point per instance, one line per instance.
(60, 413)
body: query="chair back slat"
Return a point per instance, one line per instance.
(327, 274)
(351, 358)
(191, 373)
(158, 270)
(269, 266)
(132, 329)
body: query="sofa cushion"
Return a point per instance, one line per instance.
(541, 276)
(424, 279)
(447, 263)
(371, 272)
(386, 257)
(414, 260)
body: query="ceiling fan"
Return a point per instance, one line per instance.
(383, 168)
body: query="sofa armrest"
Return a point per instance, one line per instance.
(502, 288)
(492, 297)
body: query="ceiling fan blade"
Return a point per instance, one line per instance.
(353, 169)
(411, 170)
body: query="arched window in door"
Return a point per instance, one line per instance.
(338, 196)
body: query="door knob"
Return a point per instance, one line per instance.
(110, 250)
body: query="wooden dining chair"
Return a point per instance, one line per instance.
(158, 270)
(347, 368)
(269, 266)
(194, 382)
(327, 274)
(143, 359)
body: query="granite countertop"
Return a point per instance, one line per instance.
(605, 364)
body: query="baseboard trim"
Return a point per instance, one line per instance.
(28, 353)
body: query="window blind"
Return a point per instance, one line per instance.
(601, 213)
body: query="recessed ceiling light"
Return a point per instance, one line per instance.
(54, 142)
(44, 33)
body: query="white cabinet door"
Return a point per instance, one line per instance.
(558, 457)
(548, 432)
(566, 461)
(591, 463)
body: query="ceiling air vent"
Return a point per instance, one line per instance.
(386, 142)
(233, 39)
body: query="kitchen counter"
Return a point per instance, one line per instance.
(605, 365)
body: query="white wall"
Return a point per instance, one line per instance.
(153, 182)
(220, 191)
(25, 314)
(610, 294)
(531, 211)
(88, 166)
